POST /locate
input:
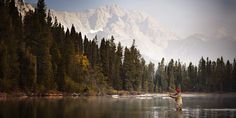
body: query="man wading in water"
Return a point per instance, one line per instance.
(178, 99)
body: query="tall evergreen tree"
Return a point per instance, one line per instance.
(192, 76)
(234, 75)
(80, 43)
(112, 58)
(104, 57)
(27, 81)
(228, 77)
(170, 74)
(94, 53)
(43, 44)
(118, 68)
(68, 54)
(202, 74)
(151, 74)
(127, 85)
(144, 72)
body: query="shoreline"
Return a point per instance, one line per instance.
(4, 95)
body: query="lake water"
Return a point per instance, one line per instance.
(125, 107)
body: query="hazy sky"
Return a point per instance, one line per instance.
(212, 18)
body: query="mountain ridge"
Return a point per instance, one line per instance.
(153, 40)
(192, 48)
(124, 25)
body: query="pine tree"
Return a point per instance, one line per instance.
(27, 81)
(112, 58)
(68, 54)
(13, 36)
(4, 68)
(41, 11)
(163, 74)
(75, 39)
(151, 77)
(135, 67)
(170, 74)
(94, 53)
(228, 77)
(126, 70)
(144, 83)
(234, 75)
(43, 43)
(208, 74)
(185, 80)
(86, 46)
(16, 20)
(213, 76)
(202, 74)
(56, 50)
(178, 74)
(118, 68)
(80, 43)
(192, 76)
(220, 69)
(104, 57)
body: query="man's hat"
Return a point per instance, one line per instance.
(177, 90)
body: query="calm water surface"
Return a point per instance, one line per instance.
(108, 107)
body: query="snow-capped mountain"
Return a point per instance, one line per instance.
(23, 7)
(125, 25)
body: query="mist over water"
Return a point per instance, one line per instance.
(127, 107)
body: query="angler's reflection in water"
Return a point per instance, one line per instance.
(179, 114)
(167, 113)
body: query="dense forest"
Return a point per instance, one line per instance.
(208, 76)
(38, 55)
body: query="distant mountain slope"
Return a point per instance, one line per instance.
(194, 47)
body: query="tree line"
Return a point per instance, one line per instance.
(39, 55)
(208, 76)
